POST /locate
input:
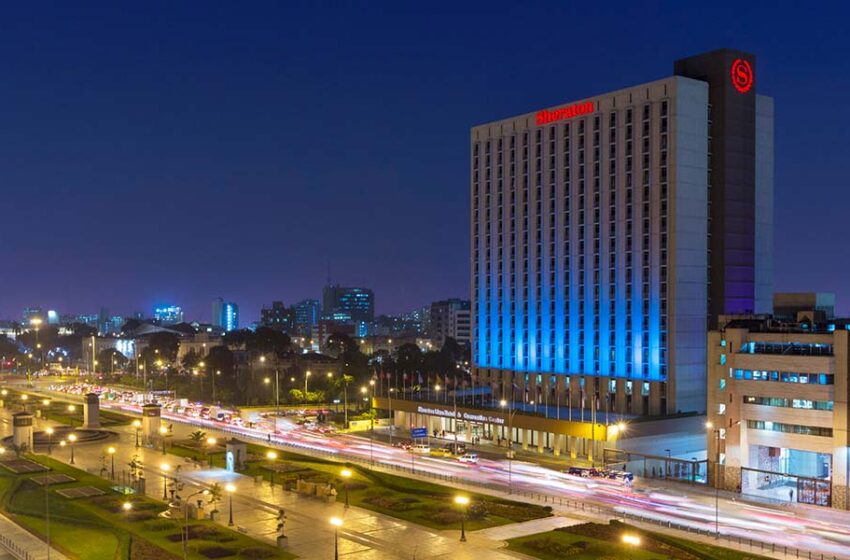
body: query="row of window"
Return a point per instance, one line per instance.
(787, 348)
(789, 428)
(783, 376)
(499, 343)
(804, 404)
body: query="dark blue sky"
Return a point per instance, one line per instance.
(181, 153)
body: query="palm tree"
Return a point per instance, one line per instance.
(198, 436)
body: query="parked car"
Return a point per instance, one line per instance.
(404, 444)
(468, 458)
(580, 471)
(421, 449)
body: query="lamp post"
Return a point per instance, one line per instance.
(217, 372)
(46, 403)
(510, 454)
(211, 443)
(165, 467)
(710, 427)
(346, 474)
(337, 523)
(390, 392)
(49, 432)
(185, 531)
(271, 456)
(111, 451)
(307, 375)
(163, 432)
(72, 438)
(230, 490)
(137, 424)
(463, 502)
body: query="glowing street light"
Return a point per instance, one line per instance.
(463, 502)
(211, 443)
(111, 451)
(337, 523)
(271, 456)
(230, 490)
(49, 432)
(72, 438)
(165, 467)
(631, 540)
(137, 424)
(127, 506)
(346, 474)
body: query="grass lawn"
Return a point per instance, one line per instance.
(99, 528)
(420, 502)
(593, 540)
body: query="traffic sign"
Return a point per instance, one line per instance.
(417, 433)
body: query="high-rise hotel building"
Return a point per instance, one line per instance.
(608, 233)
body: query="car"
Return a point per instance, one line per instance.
(442, 452)
(468, 458)
(421, 449)
(580, 471)
(404, 444)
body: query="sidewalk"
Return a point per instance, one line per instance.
(22, 544)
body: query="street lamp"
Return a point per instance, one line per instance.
(346, 474)
(72, 438)
(463, 502)
(710, 427)
(631, 540)
(46, 403)
(137, 424)
(307, 374)
(510, 454)
(165, 467)
(111, 452)
(337, 523)
(230, 490)
(49, 432)
(163, 432)
(127, 506)
(211, 443)
(271, 456)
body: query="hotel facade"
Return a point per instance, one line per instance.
(608, 233)
(778, 422)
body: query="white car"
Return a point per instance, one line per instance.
(421, 449)
(468, 458)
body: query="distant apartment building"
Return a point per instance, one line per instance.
(31, 313)
(777, 409)
(357, 303)
(307, 315)
(225, 314)
(168, 314)
(450, 318)
(278, 317)
(815, 306)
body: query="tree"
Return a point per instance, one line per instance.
(167, 344)
(268, 341)
(106, 357)
(197, 437)
(191, 359)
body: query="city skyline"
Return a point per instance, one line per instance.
(240, 167)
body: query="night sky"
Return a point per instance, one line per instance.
(163, 153)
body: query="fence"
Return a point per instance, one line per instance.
(14, 548)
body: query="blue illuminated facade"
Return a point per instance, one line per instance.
(590, 250)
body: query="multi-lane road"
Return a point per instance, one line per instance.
(808, 528)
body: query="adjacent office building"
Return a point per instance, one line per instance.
(278, 317)
(778, 395)
(166, 314)
(358, 304)
(812, 305)
(609, 233)
(225, 314)
(307, 315)
(450, 319)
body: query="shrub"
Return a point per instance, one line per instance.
(256, 552)
(159, 525)
(446, 517)
(216, 552)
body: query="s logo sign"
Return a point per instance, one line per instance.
(742, 75)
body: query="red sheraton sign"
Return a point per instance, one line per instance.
(545, 116)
